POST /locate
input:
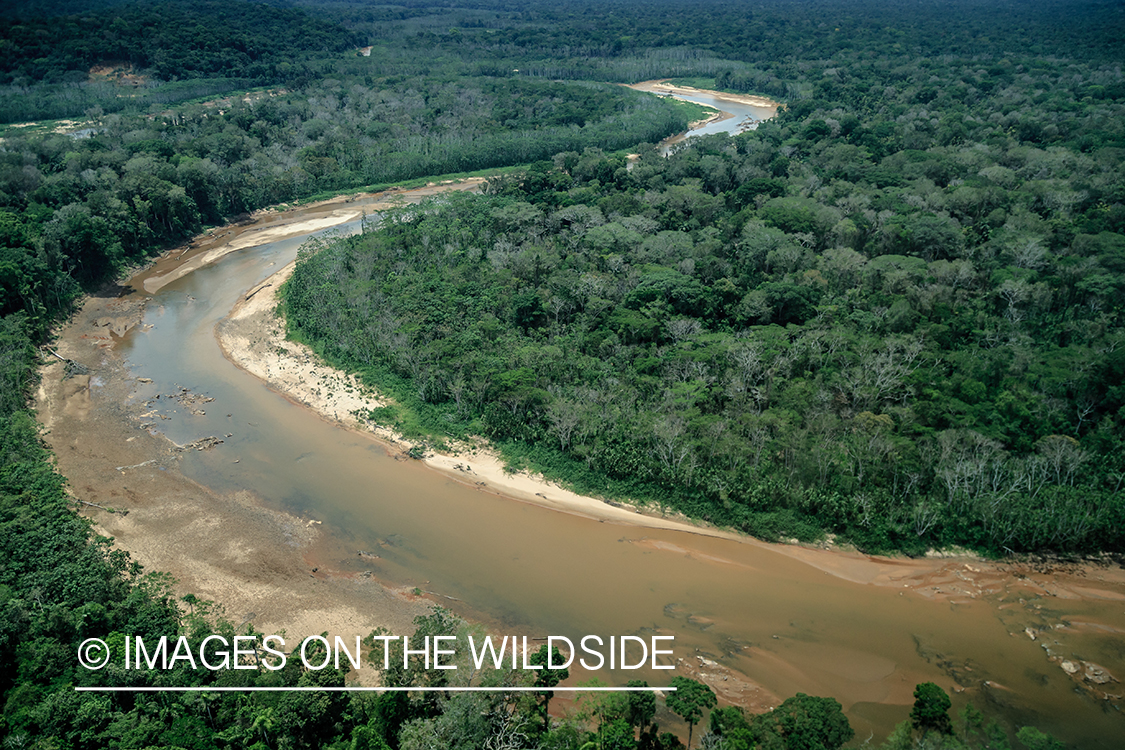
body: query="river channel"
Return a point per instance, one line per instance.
(743, 613)
(735, 113)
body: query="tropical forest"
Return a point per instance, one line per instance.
(888, 319)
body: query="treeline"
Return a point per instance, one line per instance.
(784, 50)
(768, 30)
(76, 209)
(185, 39)
(134, 58)
(904, 330)
(92, 99)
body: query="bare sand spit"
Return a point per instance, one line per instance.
(663, 87)
(267, 226)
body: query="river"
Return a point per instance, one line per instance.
(757, 621)
(735, 113)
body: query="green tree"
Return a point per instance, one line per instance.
(731, 725)
(548, 677)
(1037, 740)
(689, 700)
(805, 722)
(642, 705)
(931, 709)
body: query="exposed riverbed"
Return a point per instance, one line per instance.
(271, 519)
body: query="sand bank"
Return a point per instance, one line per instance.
(252, 337)
(269, 226)
(661, 86)
(262, 565)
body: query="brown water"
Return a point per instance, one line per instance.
(757, 611)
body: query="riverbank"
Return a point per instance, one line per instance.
(270, 225)
(662, 86)
(264, 566)
(261, 564)
(252, 337)
(283, 570)
(752, 110)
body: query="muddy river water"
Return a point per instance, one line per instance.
(759, 622)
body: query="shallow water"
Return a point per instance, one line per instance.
(746, 116)
(743, 116)
(525, 570)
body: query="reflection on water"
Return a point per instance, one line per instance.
(527, 570)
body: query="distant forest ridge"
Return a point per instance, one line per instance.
(53, 42)
(62, 61)
(193, 39)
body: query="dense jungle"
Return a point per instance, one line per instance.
(891, 315)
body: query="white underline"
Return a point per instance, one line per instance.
(309, 689)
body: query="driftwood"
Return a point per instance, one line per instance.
(263, 286)
(99, 507)
(72, 367)
(137, 466)
(200, 445)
